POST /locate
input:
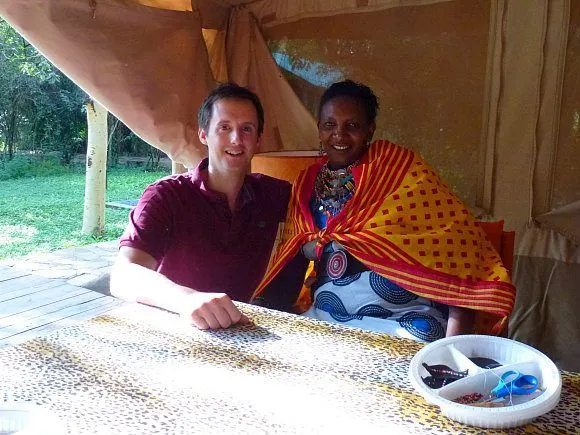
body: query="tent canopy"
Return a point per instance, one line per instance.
(486, 90)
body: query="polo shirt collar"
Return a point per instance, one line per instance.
(199, 178)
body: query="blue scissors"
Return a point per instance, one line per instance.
(513, 382)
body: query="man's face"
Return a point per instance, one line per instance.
(232, 136)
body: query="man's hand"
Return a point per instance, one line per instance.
(211, 311)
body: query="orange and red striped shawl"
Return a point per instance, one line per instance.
(405, 224)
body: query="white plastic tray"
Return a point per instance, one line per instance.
(512, 355)
(27, 419)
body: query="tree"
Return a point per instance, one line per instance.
(42, 111)
(22, 73)
(95, 187)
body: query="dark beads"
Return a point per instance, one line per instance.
(436, 383)
(443, 371)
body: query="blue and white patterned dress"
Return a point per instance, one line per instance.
(369, 301)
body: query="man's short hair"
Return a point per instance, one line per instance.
(229, 90)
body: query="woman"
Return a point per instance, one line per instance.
(395, 251)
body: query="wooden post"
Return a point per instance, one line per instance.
(96, 170)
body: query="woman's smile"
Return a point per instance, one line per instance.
(344, 130)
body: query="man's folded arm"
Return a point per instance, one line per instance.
(134, 278)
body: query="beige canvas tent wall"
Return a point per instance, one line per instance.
(547, 273)
(487, 90)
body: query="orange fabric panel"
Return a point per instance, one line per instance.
(494, 231)
(283, 167)
(174, 5)
(502, 241)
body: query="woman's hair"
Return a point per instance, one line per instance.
(357, 91)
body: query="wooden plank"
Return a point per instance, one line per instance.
(78, 305)
(47, 310)
(110, 304)
(11, 273)
(32, 282)
(29, 301)
(127, 204)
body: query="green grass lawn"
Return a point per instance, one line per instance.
(44, 213)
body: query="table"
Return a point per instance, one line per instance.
(141, 370)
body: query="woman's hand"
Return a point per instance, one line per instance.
(309, 250)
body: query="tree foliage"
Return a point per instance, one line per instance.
(42, 111)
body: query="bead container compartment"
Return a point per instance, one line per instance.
(455, 353)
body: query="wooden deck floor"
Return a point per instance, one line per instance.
(32, 304)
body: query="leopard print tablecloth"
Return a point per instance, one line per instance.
(141, 370)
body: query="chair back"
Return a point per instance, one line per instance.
(502, 241)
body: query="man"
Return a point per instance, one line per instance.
(197, 241)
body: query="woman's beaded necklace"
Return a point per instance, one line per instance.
(333, 189)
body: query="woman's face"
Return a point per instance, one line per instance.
(344, 130)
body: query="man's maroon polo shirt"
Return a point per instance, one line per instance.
(195, 238)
